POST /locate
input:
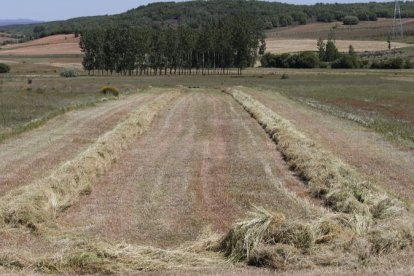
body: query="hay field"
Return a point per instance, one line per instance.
(207, 175)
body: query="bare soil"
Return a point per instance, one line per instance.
(51, 45)
(202, 165)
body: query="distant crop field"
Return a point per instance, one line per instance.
(51, 45)
(276, 45)
(363, 31)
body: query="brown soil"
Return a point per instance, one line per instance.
(51, 45)
(35, 153)
(365, 150)
(202, 165)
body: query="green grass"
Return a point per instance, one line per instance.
(26, 106)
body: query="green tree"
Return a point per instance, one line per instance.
(331, 52)
(321, 48)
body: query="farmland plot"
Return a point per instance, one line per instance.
(166, 198)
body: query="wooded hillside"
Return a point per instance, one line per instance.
(195, 14)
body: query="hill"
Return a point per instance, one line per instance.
(197, 13)
(5, 22)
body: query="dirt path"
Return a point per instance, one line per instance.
(201, 165)
(365, 150)
(35, 153)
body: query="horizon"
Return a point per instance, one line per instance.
(60, 10)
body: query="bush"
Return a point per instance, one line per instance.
(346, 61)
(68, 73)
(323, 65)
(284, 76)
(307, 60)
(4, 68)
(392, 63)
(107, 89)
(350, 20)
(302, 60)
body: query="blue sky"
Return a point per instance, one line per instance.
(48, 10)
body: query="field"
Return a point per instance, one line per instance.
(51, 45)
(279, 46)
(377, 30)
(252, 174)
(155, 180)
(366, 36)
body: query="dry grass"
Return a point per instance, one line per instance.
(367, 221)
(276, 45)
(80, 255)
(43, 200)
(102, 258)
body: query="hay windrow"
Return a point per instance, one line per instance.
(84, 256)
(42, 200)
(102, 258)
(364, 213)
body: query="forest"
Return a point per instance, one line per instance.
(196, 14)
(234, 42)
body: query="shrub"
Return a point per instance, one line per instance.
(350, 20)
(284, 76)
(68, 73)
(392, 63)
(302, 60)
(307, 60)
(4, 68)
(346, 61)
(107, 89)
(323, 65)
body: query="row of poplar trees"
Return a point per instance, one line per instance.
(215, 48)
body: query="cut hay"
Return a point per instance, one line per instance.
(361, 208)
(83, 256)
(42, 200)
(107, 259)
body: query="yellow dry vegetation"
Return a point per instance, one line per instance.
(363, 221)
(42, 200)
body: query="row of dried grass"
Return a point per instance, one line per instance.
(74, 253)
(366, 221)
(96, 257)
(102, 258)
(42, 200)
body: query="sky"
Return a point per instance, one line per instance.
(48, 10)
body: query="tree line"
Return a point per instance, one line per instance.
(212, 49)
